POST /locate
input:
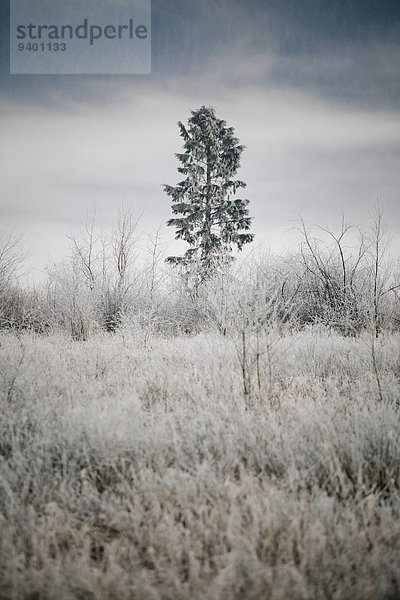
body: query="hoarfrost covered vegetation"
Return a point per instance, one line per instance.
(237, 439)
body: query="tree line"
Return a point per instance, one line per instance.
(340, 278)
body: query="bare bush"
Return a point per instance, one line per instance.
(12, 258)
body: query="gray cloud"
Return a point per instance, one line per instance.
(303, 154)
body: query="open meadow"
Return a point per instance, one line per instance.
(200, 300)
(135, 466)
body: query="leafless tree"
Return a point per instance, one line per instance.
(332, 273)
(123, 242)
(85, 247)
(377, 248)
(120, 278)
(12, 255)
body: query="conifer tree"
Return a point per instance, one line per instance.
(211, 220)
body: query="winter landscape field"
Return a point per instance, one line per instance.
(132, 470)
(239, 441)
(200, 300)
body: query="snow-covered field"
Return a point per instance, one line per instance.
(136, 467)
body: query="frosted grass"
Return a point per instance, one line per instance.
(139, 470)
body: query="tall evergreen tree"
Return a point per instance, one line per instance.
(212, 221)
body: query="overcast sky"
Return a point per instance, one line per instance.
(311, 87)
